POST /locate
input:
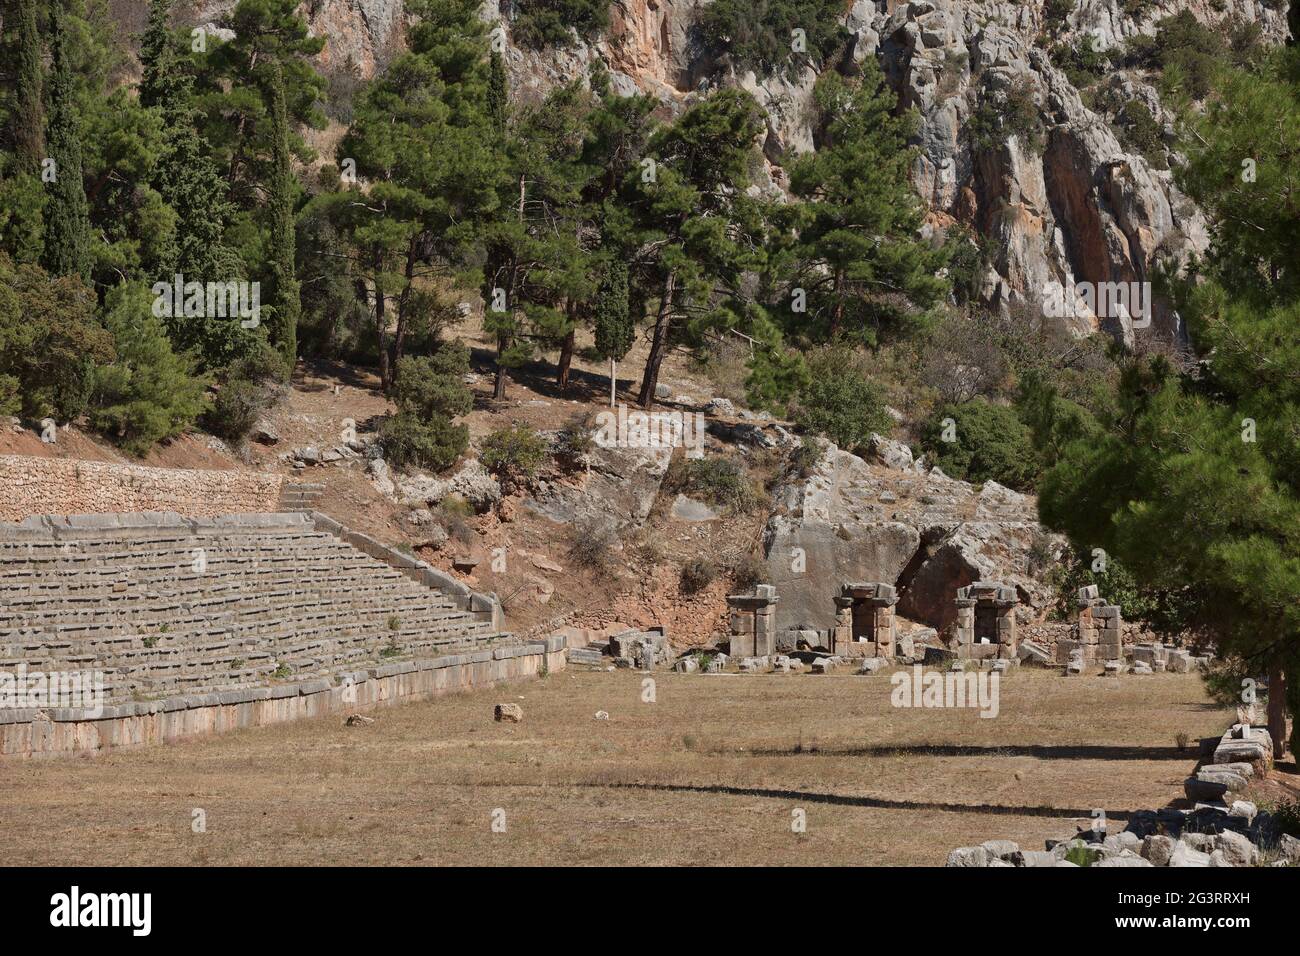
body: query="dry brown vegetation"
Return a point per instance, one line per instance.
(708, 774)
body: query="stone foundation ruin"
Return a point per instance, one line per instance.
(864, 621)
(986, 621)
(752, 620)
(1097, 634)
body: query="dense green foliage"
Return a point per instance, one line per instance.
(761, 34)
(429, 393)
(513, 453)
(50, 343)
(1189, 475)
(147, 393)
(855, 263)
(979, 441)
(839, 400)
(540, 23)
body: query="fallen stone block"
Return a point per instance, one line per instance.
(1033, 654)
(1001, 849)
(967, 856)
(1243, 809)
(1237, 850)
(1185, 856)
(1159, 848)
(509, 713)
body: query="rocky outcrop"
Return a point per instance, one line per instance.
(921, 531)
(617, 490)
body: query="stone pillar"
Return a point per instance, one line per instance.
(752, 622)
(987, 596)
(864, 621)
(965, 622)
(1110, 641)
(842, 633)
(1096, 634)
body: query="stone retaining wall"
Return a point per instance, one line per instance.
(49, 733)
(70, 486)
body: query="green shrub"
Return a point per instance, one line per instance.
(1002, 114)
(1082, 64)
(748, 571)
(434, 385)
(1163, 611)
(50, 343)
(592, 545)
(147, 393)
(989, 443)
(252, 385)
(1189, 53)
(572, 445)
(429, 391)
(1139, 132)
(542, 23)
(698, 574)
(410, 442)
(839, 400)
(1082, 855)
(1287, 817)
(760, 35)
(724, 482)
(514, 453)
(1055, 13)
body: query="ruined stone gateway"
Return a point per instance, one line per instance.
(864, 621)
(986, 621)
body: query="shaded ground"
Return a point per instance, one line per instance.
(707, 774)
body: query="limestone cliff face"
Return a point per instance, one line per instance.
(1077, 207)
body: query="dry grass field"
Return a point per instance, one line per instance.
(709, 773)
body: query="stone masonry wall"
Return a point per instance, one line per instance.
(43, 734)
(31, 486)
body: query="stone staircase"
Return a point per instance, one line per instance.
(167, 606)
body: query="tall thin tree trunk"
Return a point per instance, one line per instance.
(499, 385)
(1277, 708)
(658, 347)
(403, 308)
(613, 382)
(381, 321)
(566, 360)
(837, 314)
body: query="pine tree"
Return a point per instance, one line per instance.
(424, 142)
(692, 211)
(1192, 479)
(67, 243)
(538, 271)
(498, 91)
(148, 393)
(857, 263)
(189, 182)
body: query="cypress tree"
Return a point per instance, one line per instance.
(285, 289)
(614, 326)
(67, 220)
(498, 96)
(29, 111)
